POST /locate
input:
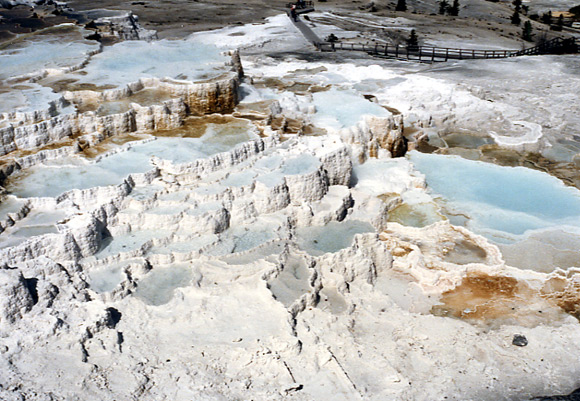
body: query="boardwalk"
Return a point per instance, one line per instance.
(417, 53)
(307, 32)
(303, 28)
(434, 54)
(430, 53)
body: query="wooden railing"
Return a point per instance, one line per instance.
(554, 46)
(432, 54)
(419, 53)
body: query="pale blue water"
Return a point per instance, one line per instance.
(113, 169)
(501, 202)
(128, 61)
(342, 109)
(318, 240)
(158, 286)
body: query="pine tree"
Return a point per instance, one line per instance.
(527, 31)
(516, 20)
(454, 9)
(401, 6)
(413, 41)
(443, 6)
(547, 18)
(518, 5)
(561, 21)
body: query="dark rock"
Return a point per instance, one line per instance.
(32, 285)
(95, 36)
(520, 340)
(113, 317)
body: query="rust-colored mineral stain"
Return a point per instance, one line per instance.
(420, 215)
(110, 143)
(259, 110)
(18, 153)
(373, 150)
(277, 123)
(392, 110)
(290, 85)
(482, 297)
(67, 141)
(397, 247)
(293, 126)
(299, 87)
(464, 252)
(564, 293)
(195, 127)
(312, 130)
(72, 85)
(151, 96)
(389, 196)
(318, 88)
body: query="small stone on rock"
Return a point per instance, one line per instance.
(520, 340)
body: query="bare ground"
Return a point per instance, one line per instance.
(478, 21)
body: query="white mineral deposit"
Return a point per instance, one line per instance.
(228, 213)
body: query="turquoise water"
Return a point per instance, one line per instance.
(318, 240)
(502, 203)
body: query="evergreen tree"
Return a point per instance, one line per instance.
(561, 21)
(413, 41)
(516, 20)
(454, 9)
(527, 31)
(443, 6)
(518, 5)
(401, 5)
(547, 18)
